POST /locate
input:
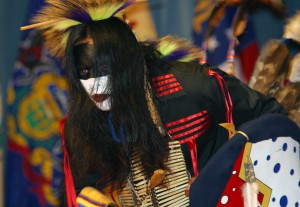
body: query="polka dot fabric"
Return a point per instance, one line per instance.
(277, 165)
(233, 191)
(273, 146)
(232, 194)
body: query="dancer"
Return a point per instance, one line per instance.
(129, 97)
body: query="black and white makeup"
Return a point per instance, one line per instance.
(95, 82)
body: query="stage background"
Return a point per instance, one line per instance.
(170, 17)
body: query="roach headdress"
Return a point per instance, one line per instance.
(57, 18)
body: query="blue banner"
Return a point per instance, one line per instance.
(37, 100)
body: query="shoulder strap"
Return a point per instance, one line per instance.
(226, 95)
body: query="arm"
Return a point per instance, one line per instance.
(247, 103)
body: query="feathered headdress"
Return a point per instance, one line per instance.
(177, 49)
(57, 17)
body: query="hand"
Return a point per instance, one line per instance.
(187, 189)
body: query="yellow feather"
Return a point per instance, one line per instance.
(64, 24)
(169, 44)
(103, 12)
(167, 48)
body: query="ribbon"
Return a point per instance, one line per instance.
(69, 181)
(226, 94)
(192, 145)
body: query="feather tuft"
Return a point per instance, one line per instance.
(177, 49)
(57, 17)
(249, 191)
(250, 187)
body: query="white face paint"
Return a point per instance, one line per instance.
(96, 88)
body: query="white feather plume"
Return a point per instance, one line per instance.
(250, 187)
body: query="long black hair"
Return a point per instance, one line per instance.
(89, 139)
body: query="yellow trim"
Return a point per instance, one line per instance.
(93, 195)
(242, 133)
(263, 188)
(230, 128)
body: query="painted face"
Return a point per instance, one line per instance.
(95, 82)
(96, 88)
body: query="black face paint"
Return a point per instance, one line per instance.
(87, 66)
(83, 56)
